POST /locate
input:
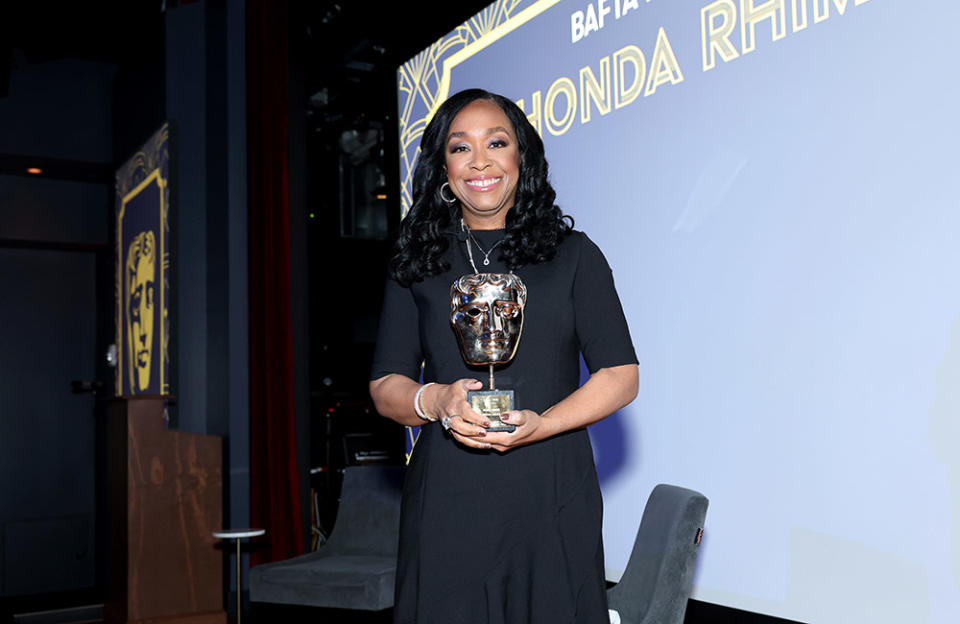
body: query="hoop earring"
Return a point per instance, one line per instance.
(449, 201)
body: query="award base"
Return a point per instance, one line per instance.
(492, 403)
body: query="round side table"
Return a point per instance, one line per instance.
(237, 535)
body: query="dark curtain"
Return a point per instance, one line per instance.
(274, 482)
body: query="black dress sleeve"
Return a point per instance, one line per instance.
(600, 323)
(398, 338)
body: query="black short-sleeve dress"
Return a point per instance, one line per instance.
(512, 538)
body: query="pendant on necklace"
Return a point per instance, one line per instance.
(486, 262)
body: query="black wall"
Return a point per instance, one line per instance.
(205, 97)
(81, 119)
(55, 319)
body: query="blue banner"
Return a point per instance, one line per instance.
(143, 269)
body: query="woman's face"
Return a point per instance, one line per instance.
(483, 164)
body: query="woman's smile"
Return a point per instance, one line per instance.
(483, 184)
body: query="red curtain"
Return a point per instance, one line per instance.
(274, 482)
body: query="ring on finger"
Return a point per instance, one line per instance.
(445, 421)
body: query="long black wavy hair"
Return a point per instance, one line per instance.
(535, 226)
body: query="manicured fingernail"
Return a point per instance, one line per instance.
(481, 432)
(504, 416)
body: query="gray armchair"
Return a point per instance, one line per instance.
(356, 567)
(659, 577)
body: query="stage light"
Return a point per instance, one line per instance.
(34, 170)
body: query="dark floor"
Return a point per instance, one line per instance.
(258, 614)
(261, 613)
(268, 614)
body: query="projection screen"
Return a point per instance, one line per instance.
(774, 185)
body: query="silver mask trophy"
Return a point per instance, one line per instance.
(486, 311)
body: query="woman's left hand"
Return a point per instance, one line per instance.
(530, 427)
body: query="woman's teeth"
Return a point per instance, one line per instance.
(483, 183)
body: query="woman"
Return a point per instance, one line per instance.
(499, 527)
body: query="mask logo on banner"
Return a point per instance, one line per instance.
(141, 274)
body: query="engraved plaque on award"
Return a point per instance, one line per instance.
(486, 311)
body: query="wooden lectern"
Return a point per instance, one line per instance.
(164, 500)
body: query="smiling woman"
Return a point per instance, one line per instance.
(483, 164)
(534, 229)
(501, 521)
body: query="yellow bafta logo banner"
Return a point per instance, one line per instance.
(143, 269)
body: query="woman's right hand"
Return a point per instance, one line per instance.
(448, 403)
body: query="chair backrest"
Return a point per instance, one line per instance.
(368, 519)
(659, 575)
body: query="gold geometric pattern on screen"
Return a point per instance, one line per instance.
(422, 86)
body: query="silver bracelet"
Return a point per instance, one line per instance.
(416, 403)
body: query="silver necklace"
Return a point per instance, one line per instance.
(486, 254)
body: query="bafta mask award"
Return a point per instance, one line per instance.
(486, 311)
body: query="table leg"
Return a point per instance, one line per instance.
(239, 604)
